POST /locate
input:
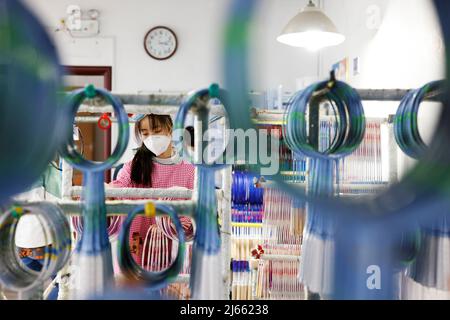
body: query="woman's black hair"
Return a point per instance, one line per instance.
(142, 164)
(142, 167)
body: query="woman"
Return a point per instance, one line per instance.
(156, 164)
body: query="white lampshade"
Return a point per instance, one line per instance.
(311, 29)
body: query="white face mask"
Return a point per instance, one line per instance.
(157, 144)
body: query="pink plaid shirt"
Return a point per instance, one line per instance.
(163, 176)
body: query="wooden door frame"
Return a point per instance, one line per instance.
(106, 72)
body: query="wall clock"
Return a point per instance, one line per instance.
(160, 43)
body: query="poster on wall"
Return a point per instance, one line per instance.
(341, 69)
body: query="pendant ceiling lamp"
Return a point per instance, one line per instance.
(311, 29)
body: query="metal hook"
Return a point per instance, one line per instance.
(332, 79)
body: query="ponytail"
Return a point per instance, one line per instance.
(142, 167)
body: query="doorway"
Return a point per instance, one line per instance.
(93, 142)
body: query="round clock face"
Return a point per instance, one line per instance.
(160, 43)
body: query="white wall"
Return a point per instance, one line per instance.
(198, 25)
(126, 23)
(273, 63)
(404, 51)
